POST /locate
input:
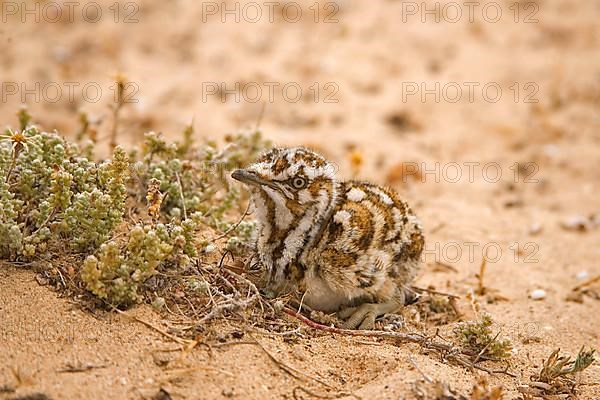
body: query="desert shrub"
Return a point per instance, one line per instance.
(561, 368)
(193, 178)
(558, 376)
(117, 271)
(126, 217)
(51, 196)
(478, 337)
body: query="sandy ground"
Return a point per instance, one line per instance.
(368, 81)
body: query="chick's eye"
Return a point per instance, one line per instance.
(299, 182)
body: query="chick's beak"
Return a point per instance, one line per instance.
(248, 177)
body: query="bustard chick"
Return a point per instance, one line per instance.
(349, 247)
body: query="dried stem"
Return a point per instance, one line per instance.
(587, 282)
(16, 150)
(181, 341)
(449, 351)
(181, 195)
(425, 376)
(421, 290)
(234, 227)
(482, 352)
(120, 101)
(480, 286)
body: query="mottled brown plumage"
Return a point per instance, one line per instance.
(350, 247)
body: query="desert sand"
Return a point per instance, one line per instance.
(378, 79)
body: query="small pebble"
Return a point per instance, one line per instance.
(158, 303)
(538, 294)
(581, 275)
(576, 223)
(551, 150)
(535, 228)
(210, 248)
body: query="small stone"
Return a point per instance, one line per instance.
(576, 223)
(582, 275)
(210, 248)
(535, 228)
(279, 305)
(551, 150)
(158, 303)
(538, 294)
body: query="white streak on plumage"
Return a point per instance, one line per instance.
(356, 195)
(397, 216)
(283, 216)
(342, 217)
(294, 240)
(264, 229)
(382, 195)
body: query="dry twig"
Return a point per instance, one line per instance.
(448, 351)
(177, 339)
(587, 282)
(234, 227)
(71, 368)
(431, 291)
(480, 286)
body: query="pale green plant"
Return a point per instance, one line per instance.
(50, 194)
(55, 201)
(478, 337)
(116, 273)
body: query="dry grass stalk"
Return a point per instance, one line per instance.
(448, 351)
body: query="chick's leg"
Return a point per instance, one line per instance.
(363, 316)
